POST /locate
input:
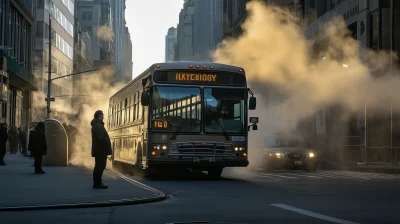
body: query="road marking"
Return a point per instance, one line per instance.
(274, 175)
(195, 222)
(333, 175)
(302, 175)
(378, 175)
(313, 214)
(346, 174)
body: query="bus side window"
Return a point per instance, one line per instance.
(139, 115)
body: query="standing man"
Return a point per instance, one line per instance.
(38, 146)
(101, 148)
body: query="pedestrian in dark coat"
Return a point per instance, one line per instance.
(38, 146)
(22, 140)
(3, 143)
(13, 139)
(101, 148)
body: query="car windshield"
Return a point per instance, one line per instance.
(283, 141)
(224, 110)
(176, 106)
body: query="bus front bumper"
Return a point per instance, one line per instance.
(198, 163)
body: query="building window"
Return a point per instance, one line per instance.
(396, 26)
(87, 16)
(2, 22)
(40, 29)
(18, 108)
(374, 19)
(87, 29)
(40, 4)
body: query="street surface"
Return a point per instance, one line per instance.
(249, 197)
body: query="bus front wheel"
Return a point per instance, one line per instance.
(214, 172)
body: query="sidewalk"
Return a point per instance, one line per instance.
(65, 187)
(371, 168)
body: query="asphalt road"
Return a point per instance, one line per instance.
(250, 197)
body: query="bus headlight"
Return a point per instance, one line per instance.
(311, 155)
(239, 148)
(159, 147)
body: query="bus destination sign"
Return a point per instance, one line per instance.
(198, 77)
(195, 77)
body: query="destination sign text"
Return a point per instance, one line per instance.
(196, 77)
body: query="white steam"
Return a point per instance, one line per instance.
(291, 85)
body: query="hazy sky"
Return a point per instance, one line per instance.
(148, 23)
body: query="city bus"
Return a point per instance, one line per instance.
(188, 115)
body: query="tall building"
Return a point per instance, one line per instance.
(184, 48)
(121, 42)
(207, 30)
(17, 82)
(128, 69)
(234, 14)
(82, 50)
(199, 30)
(95, 17)
(170, 42)
(62, 42)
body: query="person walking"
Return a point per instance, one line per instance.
(22, 139)
(13, 140)
(38, 146)
(3, 143)
(101, 148)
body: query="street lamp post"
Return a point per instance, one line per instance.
(49, 72)
(49, 81)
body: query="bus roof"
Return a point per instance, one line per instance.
(182, 65)
(186, 64)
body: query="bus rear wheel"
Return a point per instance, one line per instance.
(215, 172)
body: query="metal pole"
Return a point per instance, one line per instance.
(365, 134)
(49, 72)
(391, 71)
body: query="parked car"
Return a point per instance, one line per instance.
(288, 152)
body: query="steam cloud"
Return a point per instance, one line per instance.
(291, 85)
(105, 33)
(91, 93)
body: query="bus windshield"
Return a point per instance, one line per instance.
(224, 110)
(172, 107)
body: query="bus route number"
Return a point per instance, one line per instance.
(160, 124)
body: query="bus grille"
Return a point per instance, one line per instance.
(203, 150)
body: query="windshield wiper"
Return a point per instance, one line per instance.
(173, 137)
(223, 130)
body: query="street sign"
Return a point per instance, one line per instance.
(51, 99)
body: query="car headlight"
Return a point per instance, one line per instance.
(239, 148)
(279, 155)
(311, 155)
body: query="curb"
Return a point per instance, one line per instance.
(158, 196)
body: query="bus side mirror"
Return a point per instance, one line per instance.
(252, 103)
(255, 128)
(145, 98)
(254, 120)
